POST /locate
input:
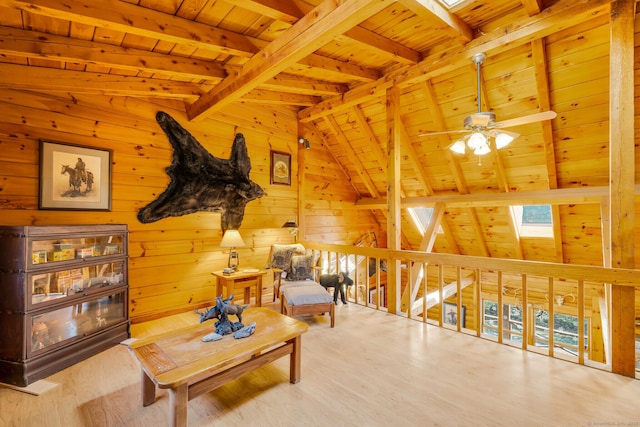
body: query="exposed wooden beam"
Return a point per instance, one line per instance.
(34, 44)
(290, 13)
(532, 6)
(426, 245)
(412, 157)
(394, 221)
(544, 103)
(310, 33)
(313, 128)
(133, 19)
(394, 51)
(622, 180)
(378, 153)
(259, 96)
(563, 196)
(51, 80)
(433, 298)
(439, 126)
(356, 164)
(283, 11)
(562, 14)
(296, 84)
(141, 21)
(340, 68)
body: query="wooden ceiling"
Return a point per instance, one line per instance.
(334, 61)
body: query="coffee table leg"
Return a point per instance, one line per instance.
(178, 400)
(148, 390)
(294, 363)
(259, 292)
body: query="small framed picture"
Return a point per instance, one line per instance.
(280, 168)
(74, 177)
(450, 314)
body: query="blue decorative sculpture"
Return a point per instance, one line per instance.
(223, 325)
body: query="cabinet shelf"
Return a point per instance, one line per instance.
(64, 297)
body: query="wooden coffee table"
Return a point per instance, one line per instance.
(180, 362)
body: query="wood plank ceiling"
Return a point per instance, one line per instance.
(333, 61)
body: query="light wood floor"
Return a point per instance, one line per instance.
(372, 369)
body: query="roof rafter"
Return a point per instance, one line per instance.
(29, 44)
(141, 21)
(51, 80)
(542, 82)
(33, 44)
(351, 156)
(316, 29)
(290, 13)
(561, 196)
(562, 14)
(134, 19)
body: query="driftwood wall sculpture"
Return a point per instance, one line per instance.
(202, 182)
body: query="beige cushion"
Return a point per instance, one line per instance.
(307, 295)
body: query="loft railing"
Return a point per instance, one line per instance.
(560, 310)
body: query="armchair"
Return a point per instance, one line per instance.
(299, 293)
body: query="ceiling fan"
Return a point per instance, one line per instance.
(481, 128)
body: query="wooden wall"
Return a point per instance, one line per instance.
(171, 260)
(327, 199)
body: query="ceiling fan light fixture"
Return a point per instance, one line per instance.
(477, 140)
(503, 139)
(482, 150)
(458, 147)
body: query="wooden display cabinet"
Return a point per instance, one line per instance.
(63, 297)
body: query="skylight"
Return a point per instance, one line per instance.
(534, 220)
(451, 3)
(421, 218)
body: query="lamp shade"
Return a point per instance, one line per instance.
(477, 140)
(231, 239)
(459, 146)
(290, 224)
(503, 139)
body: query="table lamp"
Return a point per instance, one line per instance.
(232, 240)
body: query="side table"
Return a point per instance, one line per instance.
(226, 284)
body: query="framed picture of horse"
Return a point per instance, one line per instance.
(73, 177)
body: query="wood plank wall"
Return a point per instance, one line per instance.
(171, 260)
(328, 197)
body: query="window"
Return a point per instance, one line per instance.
(534, 220)
(421, 218)
(565, 327)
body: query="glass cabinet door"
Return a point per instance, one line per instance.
(77, 320)
(65, 249)
(79, 279)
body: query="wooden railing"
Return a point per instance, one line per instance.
(560, 310)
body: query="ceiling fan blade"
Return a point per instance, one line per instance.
(532, 118)
(443, 132)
